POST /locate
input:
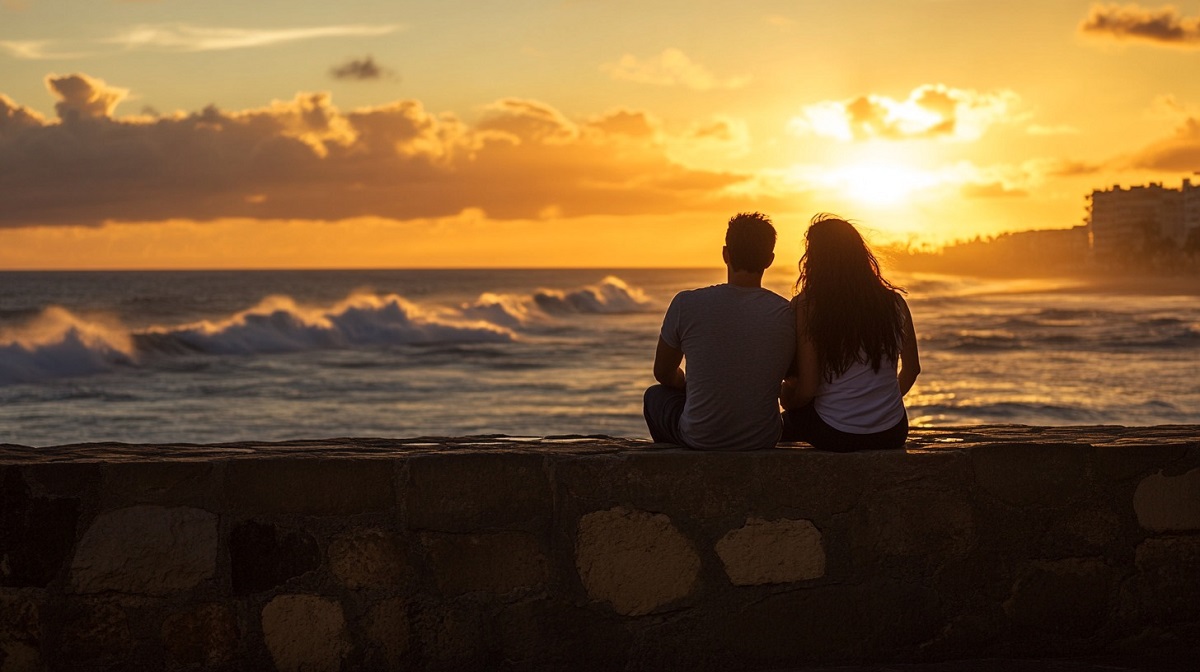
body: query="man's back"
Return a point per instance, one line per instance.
(738, 343)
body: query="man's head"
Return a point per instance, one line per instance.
(750, 242)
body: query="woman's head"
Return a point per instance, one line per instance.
(835, 253)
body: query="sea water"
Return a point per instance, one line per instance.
(274, 355)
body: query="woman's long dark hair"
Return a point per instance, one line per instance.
(853, 312)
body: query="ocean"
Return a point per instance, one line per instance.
(183, 356)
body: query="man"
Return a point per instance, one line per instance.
(739, 340)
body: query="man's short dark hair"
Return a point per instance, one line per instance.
(750, 241)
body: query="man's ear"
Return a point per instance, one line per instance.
(770, 260)
(725, 253)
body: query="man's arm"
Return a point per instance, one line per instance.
(666, 365)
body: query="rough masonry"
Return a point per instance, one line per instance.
(594, 553)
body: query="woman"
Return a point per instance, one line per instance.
(851, 328)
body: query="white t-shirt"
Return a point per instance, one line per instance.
(861, 401)
(737, 343)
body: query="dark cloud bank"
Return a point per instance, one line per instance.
(306, 159)
(1164, 26)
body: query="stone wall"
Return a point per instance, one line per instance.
(596, 553)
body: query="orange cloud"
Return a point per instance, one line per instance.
(670, 68)
(1179, 152)
(930, 111)
(1163, 26)
(306, 159)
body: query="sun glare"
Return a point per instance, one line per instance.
(875, 183)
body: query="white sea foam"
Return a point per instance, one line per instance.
(58, 343)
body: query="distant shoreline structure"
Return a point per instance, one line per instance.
(1144, 230)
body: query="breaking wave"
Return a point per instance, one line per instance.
(57, 343)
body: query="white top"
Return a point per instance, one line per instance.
(861, 401)
(737, 343)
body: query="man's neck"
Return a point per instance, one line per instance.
(744, 278)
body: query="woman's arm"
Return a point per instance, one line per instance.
(910, 359)
(800, 391)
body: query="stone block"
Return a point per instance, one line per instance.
(305, 633)
(263, 556)
(1033, 474)
(146, 550)
(19, 618)
(1122, 462)
(94, 635)
(451, 636)
(19, 657)
(1054, 602)
(36, 533)
(204, 637)
(189, 483)
(387, 628)
(467, 492)
(369, 559)
(681, 483)
(317, 487)
(912, 522)
(772, 551)
(499, 562)
(636, 561)
(1169, 503)
(1166, 586)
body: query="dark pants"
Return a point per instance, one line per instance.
(803, 424)
(663, 406)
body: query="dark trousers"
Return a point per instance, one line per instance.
(804, 424)
(663, 406)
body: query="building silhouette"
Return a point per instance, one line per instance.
(1142, 220)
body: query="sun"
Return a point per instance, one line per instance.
(879, 183)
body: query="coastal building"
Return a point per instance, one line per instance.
(1141, 219)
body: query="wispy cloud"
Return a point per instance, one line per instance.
(930, 111)
(1164, 26)
(670, 68)
(182, 37)
(1060, 129)
(360, 69)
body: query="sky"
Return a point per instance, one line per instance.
(568, 133)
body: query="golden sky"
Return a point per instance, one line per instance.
(562, 133)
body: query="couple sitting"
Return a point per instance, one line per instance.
(829, 356)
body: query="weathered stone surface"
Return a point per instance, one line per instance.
(1059, 600)
(634, 560)
(387, 627)
(468, 492)
(1121, 462)
(263, 556)
(1033, 474)
(1083, 532)
(311, 486)
(913, 521)
(499, 562)
(1166, 587)
(305, 633)
(677, 482)
(772, 551)
(1167, 503)
(368, 558)
(146, 550)
(204, 637)
(19, 657)
(36, 533)
(451, 636)
(190, 483)
(19, 618)
(93, 635)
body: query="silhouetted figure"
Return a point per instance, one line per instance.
(738, 339)
(852, 326)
